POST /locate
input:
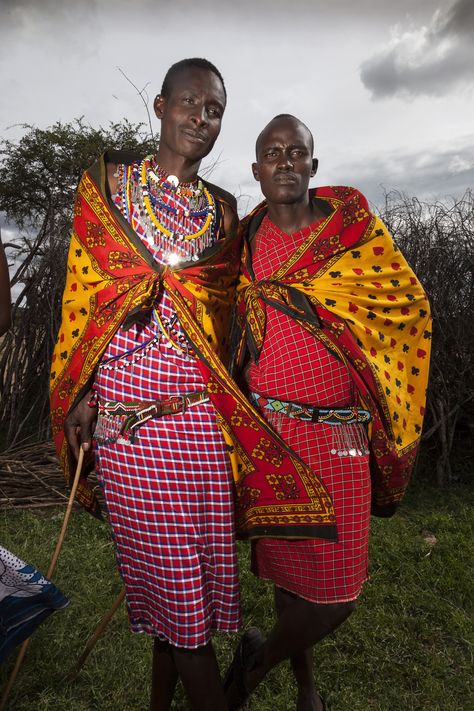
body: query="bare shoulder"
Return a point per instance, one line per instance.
(230, 217)
(228, 204)
(112, 177)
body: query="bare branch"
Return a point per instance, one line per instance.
(142, 93)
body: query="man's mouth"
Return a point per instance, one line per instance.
(285, 178)
(195, 136)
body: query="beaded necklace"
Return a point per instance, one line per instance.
(137, 353)
(173, 338)
(188, 209)
(159, 177)
(181, 198)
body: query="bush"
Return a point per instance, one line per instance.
(38, 179)
(438, 241)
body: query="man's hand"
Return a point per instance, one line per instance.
(80, 424)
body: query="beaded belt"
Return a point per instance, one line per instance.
(327, 415)
(118, 421)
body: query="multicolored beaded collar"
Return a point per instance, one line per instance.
(178, 218)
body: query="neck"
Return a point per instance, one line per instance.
(185, 170)
(295, 216)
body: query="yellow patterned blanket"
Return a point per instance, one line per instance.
(111, 277)
(349, 286)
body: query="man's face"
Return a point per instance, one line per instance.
(285, 162)
(191, 115)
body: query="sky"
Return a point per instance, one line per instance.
(386, 87)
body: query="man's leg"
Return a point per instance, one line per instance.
(301, 664)
(300, 625)
(164, 676)
(198, 670)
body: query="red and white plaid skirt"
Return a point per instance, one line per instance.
(169, 499)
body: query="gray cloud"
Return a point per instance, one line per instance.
(58, 60)
(16, 14)
(460, 18)
(431, 59)
(435, 172)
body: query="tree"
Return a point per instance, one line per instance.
(438, 241)
(39, 175)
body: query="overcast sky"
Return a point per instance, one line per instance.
(386, 86)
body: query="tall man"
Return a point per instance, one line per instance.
(337, 339)
(151, 274)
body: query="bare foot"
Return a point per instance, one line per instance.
(309, 701)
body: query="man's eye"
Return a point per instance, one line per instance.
(214, 112)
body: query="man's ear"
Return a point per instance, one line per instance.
(255, 171)
(314, 167)
(159, 105)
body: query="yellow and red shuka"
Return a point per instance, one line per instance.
(349, 286)
(111, 279)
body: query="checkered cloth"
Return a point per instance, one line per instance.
(169, 495)
(293, 366)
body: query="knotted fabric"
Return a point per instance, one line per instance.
(111, 280)
(349, 285)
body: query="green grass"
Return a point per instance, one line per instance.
(408, 646)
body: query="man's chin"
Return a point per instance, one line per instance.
(196, 151)
(284, 195)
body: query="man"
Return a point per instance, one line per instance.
(5, 298)
(151, 274)
(337, 335)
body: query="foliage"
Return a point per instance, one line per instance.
(408, 645)
(39, 173)
(438, 241)
(38, 179)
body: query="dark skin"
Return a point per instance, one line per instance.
(5, 297)
(284, 167)
(190, 124)
(190, 118)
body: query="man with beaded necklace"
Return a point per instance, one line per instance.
(149, 237)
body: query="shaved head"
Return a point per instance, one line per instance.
(179, 67)
(285, 162)
(282, 118)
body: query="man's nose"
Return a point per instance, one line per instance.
(285, 162)
(199, 115)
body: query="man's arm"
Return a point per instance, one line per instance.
(228, 205)
(230, 218)
(80, 424)
(5, 296)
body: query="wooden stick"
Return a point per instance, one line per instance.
(67, 515)
(14, 673)
(99, 631)
(51, 568)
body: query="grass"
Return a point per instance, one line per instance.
(409, 645)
